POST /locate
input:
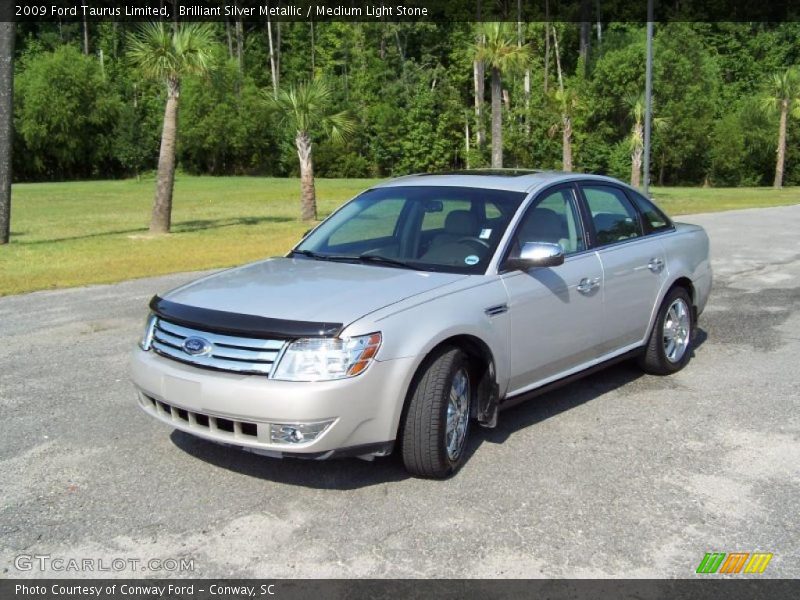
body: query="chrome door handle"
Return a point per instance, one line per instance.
(655, 265)
(587, 286)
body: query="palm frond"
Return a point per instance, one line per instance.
(340, 127)
(499, 48)
(160, 53)
(781, 87)
(307, 105)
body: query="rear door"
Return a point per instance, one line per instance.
(633, 264)
(556, 313)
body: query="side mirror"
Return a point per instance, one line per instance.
(537, 254)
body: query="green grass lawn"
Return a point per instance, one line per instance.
(69, 234)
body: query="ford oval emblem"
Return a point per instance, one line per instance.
(196, 346)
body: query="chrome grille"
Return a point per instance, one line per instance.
(227, 353)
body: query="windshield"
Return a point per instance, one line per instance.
(436, 228)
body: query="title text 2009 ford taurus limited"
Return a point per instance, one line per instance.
(421, 305)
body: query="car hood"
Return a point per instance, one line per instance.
(308, 290)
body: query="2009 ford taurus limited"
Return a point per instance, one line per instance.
(424, 304)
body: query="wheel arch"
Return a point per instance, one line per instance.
(686, 284)
(483, 362)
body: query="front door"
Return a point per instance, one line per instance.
(556, 312)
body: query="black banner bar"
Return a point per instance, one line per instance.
(398, 10)
(707, 588)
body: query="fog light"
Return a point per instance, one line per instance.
(297, 433)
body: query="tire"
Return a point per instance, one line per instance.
(659, 357)
(425, 437)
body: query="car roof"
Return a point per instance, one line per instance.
(520, 180)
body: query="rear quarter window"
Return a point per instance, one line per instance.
(653, 217)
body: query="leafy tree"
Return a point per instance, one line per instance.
(431, 127)
(168, 54)
(501, 53)
(687, 82)
(66, 116)
(782, 96)
(7, 36)
(225, 127)
(306, 108)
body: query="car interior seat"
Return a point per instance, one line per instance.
(458, 224)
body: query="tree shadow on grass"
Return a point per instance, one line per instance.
(179, 227)
(202, 224)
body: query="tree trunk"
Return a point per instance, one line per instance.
(466, 141)
(636, 155)
(7, 35)
(313, 50)
(497, 120)
(566, 148)
(161, 219)
(278, 50)
(85, 32)
(240, 44)
(229, 37)
(479, 86)
(566, 120)
(308, 196)
(636, 167)
(273, 59)
(546, 44)
(781, 151)
(526, 82)
(478, 74)
(585, 32)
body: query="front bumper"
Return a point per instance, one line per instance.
(363, 411)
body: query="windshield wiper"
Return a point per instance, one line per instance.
(367, 258)
(333, 257)
(376, 258)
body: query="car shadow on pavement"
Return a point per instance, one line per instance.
(334, 474)
(550, 404)
(352, 473)
(556, 401)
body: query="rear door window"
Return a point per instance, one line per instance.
(614, 217)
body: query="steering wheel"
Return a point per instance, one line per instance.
(474, 240)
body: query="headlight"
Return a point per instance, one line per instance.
(147, 338)
(324, 359)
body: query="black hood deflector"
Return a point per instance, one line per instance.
(217, 321)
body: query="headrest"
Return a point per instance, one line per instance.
(461, 222)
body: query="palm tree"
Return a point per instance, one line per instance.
(305, 108)
(7, 34)
(635, 103)
(783, 96)
(568, 102)
(168, 54)
(501, 53)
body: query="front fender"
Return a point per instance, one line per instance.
(415, 328)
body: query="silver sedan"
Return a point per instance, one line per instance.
(421, 306)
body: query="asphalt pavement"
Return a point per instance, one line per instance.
(617, 475)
